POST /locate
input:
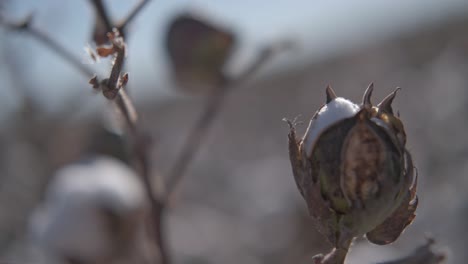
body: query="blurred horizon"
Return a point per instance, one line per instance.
(321, 30)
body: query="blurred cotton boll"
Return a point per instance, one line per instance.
(198, 50)
(91, 212)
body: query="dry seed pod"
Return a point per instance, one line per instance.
(198, 51)
(354, 172)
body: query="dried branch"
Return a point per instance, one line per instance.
(212, 108)
(195, 139)
(101, 11)
(336, 256)
(122, 26)
(25, 26)
(111, 89)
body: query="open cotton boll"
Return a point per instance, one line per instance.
(336, 110)
(72, 220)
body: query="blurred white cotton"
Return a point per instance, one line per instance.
(90, 211)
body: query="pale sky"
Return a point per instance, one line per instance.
(322, 28)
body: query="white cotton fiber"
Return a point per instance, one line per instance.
(70, 221)
(336, 110)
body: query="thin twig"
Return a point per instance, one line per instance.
(25, 26)
(212, 108)
(194, 140)
(122, 26)
(140, 141)
(127, 109)
(103, 15)
(336, 256)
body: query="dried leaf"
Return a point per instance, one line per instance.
(104, 51)
(123, 80)
(91, 53)
(94, 82)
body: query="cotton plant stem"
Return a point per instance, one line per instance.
(336, 255)
(122, 26)
(200, 130)
(101, 11)
(140, 144)
(53, 45)
(125, 106)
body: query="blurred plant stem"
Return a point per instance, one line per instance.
(336, 256)
(25, 26)
(213, 106)
(122, 25)
(108, 24)
(112, 89)
(123, 103)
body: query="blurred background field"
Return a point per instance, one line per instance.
(238, 202)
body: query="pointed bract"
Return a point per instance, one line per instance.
(386, 104)
(366, 99)
(331, 95)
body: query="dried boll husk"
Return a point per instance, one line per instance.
(354, 171)
(198, 50)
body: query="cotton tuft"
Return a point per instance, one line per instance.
(70, 221)
(336, 110)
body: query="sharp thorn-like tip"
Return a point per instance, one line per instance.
(331, 95)
(366, 99)
(289, 122)
(386, 104)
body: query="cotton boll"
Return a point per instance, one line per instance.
(332, 112)
(91, 211)
(354, 172)
(198, 50)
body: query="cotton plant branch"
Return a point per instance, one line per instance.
(336, 256)
(122, 26)
(102, 13)
(108, 24)
(41, 36)
(211, 110)
(112, 90)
